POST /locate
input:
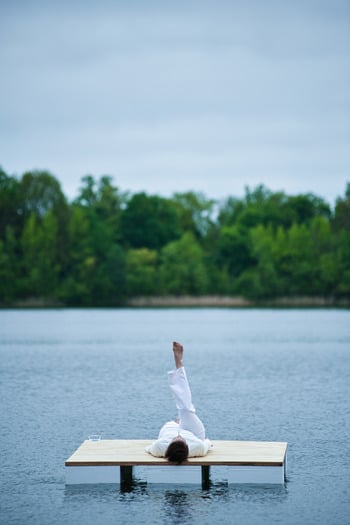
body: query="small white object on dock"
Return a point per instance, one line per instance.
(115, 461)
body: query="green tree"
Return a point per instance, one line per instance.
(234, 250)
(150, 222)
(40, 261)
(104, 201)
(262, 280)
(229, 211)
(6, 276)
(325, 263)
(304, 208)
(259, 206)
(182, 270)
(74, 288)
(342, 255)
(108, 284)
(96, 271)
(291, 262)
(141, 272)
(9, 204)
(9, 267)
(41, 192)
(341, 218)
(298, 263)
(195, 212)
(262, 206)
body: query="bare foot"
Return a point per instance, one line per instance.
(178, 350)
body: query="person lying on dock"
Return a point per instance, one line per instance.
(184, 437)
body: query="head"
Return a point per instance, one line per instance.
(177, 451)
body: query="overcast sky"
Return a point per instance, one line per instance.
(170, 96)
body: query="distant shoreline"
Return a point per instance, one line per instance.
(186, 301)
(238, 302)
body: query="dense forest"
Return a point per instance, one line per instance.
(107, 246)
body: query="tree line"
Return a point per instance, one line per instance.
(107, 246)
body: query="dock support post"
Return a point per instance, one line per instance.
(285, 467)
(126, 474)
(205, 476)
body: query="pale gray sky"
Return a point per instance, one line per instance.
(172, 96)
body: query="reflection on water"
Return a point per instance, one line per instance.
(176, 495)
(174, 504)
(178, 506)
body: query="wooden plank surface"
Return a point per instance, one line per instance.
(132, 452)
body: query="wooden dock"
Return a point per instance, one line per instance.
(115, 461)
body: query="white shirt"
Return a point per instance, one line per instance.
(197, 447)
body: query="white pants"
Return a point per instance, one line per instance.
(188, 419)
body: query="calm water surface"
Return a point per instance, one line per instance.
(276, 375)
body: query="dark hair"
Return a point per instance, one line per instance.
(177, 452)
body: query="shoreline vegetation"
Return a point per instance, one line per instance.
(207, 301)
(108, 248)
(235, 302)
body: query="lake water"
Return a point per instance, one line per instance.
(256, 374)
